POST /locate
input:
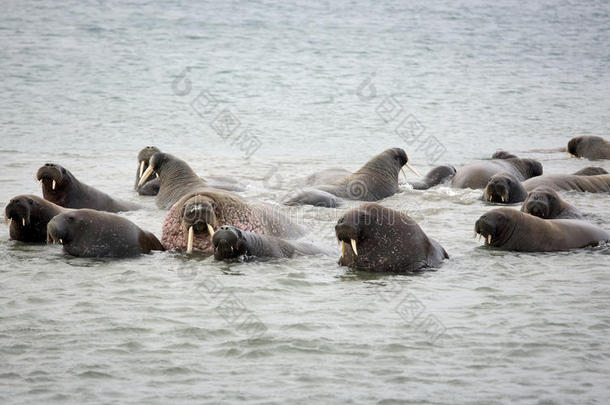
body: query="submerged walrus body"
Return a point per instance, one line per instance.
(380, 239)
(544, 202)
(90, 233)
(62, 188)
(476, 175)
(590, 147)
(509, 229)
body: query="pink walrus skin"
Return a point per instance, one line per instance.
(198, 214)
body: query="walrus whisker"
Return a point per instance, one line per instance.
(189, 243)
(353, 242)
(146, 175)
(142, 163)
(412, 169)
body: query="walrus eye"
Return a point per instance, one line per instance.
(70, 218)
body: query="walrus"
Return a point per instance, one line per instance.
(28, 216)
(91, 233)
(176, 178)
(376, 180)
(591, 171)
(62, 188)
(152, 184)
(380, 239)
(545, 203)
(476, 175)
(502, 154)
(505, 188)
(232, 243)
(326, 176)
(509, 229)
(590, 147)
(191, 222)
(436, 176)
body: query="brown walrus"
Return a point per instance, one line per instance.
(476, 175)
(377, 238)
(62, 188)
(90, 233)
(151, 185)
(509, 229)
(192, 221)
(590, 147)
(376, 180)
(28, 216)
(544, 202)
(504, 188)
(232, 243)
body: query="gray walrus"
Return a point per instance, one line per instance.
(176, 179)
(62, 188)
(377, 238)
(151, 185)
(545, 203)
(509, 229)
(376, 180)
(191, 222)
(590, 147)
(476, 175)
(504, 188)
(232, 243)
(436, 176)
(591, 171)
(90, 233)
(28, 216)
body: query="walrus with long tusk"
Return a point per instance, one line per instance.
(376, 180)
(590, 147)
(191, 222)
(232, 243)
(380, 239)
(176, 179)
(509, 229)
(476, 175)
(545, 203)
(151, 184)
(90, 233)
(62, 188)
(28, 216)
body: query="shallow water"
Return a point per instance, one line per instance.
(88, 85)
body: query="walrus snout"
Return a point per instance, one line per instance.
(497, 191)
(18, 209)
(486, 226)
(226, 243)
(537, 208)
(347, 233)
(57, 230)
(50, 173)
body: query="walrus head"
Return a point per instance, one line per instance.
(377, 238)
(228, 243)
(532, 168)
(504, 188)
(143, 161)
(497, 226)
(64, 227)
(156, 163)
(502, 154)
(19, 210)
(53, 178)
(582, 146)
(542, 202)
(198, 218)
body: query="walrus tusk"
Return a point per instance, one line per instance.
(145, 176)
(502, 198)
(142, 163)
(342, 248)
(40, 182)
(61, 241)
(402, 169)
(23, 221)
(210, 230)
(412, 169)
(53, 186)
(189, 243)
(10, 222)
(354, 247)
(489, 239)
(480, 237)
(570, 156)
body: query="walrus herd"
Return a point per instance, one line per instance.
(206, 214)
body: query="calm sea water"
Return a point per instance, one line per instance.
(87, 84)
